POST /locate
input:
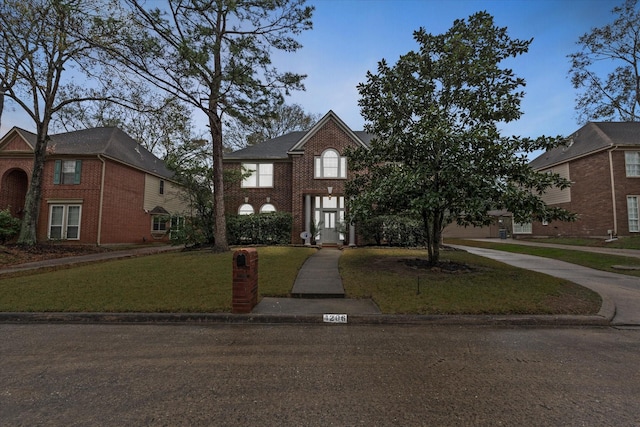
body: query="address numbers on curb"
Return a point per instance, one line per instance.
(334, 318)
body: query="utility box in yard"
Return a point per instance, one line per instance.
(245, 280)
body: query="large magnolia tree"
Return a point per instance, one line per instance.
(438, 155)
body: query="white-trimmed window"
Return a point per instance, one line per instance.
(245, 209)
(330, 165)
(261, 175)
(267, 207)
(64, 222)
(632, 214)
(632, 163)
(524, 228)
(159, 224)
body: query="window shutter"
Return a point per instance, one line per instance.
(56, 171)
(76, 177)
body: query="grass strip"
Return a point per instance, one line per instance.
(494, 288)
(171, 282)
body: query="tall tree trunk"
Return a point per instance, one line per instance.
(2, 92)
(220, 232)
(28, 232)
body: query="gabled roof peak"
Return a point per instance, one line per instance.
(293, 142)
(589, 139)
(327, 117)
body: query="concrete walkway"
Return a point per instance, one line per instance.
(620, 293)
(319, 276)
(318, 290)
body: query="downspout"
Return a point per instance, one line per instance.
(613, 194)
(101, 200)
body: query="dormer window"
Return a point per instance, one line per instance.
(330, 165)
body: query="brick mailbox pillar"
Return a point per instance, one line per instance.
(245, 280)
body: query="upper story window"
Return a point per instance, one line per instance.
(632, 163)
(67, 171)
(330, 165)
(161, 187)
(261, 175)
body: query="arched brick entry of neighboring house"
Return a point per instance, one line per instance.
(13, 189)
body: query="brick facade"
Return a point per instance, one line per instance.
(600, 186)
(590, 198)
(279, 195)
(112, 212)
(294, 175)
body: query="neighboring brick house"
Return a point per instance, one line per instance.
(602, 160)
(302, 173)
(99, 187)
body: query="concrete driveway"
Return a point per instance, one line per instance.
(619, 292)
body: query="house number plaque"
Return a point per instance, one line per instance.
(334, 318)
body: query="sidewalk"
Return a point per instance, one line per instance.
(74, 261)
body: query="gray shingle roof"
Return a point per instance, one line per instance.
(278, 148)
(109, 142)
(590, 138)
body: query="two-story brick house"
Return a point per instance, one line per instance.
(302, 173)
(99, 187)
(602, 160)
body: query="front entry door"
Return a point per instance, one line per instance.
(330, 231)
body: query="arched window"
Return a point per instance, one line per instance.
(245, 209)
(330, 165)
(268, 207)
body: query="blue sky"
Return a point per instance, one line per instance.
(350, 37)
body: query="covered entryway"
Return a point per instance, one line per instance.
(13, 190)
(329, 229)
(325, 220)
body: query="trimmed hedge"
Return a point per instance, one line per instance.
(9, 226)
(393, 230)
(273, 228)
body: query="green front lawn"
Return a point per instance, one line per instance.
(201, 282)
(170, 282)
(494, 288)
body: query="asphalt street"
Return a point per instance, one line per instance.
(317, 375)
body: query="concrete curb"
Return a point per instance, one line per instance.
(375, 319)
